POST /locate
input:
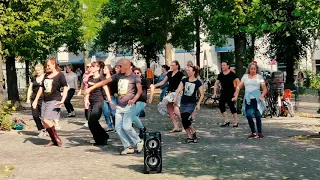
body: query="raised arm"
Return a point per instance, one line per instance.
(99, 84)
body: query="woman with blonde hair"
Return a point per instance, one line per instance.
(54, 81)
(34, 85)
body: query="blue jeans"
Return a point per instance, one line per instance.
(124, 126)
(251, 110)
(108, 111)
(163, 93)
(138, 108)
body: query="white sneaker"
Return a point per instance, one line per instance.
(140, 146)
(42, 133)
(86, 124)
(127, 151)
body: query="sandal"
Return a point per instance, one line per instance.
(175, 130)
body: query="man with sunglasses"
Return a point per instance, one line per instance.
(129, 91)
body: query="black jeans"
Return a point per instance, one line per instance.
(36, 114)
(67, 102)
(222, 104)
(95, 111)
(186, 123)
(251, 110)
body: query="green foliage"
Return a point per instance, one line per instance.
(35, 29)
(6, 116)
(139, 26)
(312, 80)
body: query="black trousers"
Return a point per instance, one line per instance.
(67, 102)
(222, 104)
(95, 111)
(186, 123)
(36, 114)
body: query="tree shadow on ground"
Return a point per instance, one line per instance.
(225, 153)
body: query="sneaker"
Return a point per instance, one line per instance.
(142, 131)
(42, 133)
(260, 136)
(140, 146)
(86, 124)
(127, 151)
(72, 114)
(195, 138)
(252, 136)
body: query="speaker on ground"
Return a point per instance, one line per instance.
(152, 152)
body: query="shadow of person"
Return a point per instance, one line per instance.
(36, 141)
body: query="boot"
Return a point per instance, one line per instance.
(56, 137)
(53, 140)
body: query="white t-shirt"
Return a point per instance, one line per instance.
(70, 79)
(252, 84)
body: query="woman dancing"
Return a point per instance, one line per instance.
(54, 81)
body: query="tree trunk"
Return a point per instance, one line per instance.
(198, 44)
(252, 47)
(240, 51)
(1, 78)
(27, 70)
(13, 93)
(313, 60)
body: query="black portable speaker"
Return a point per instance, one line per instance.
(152, 152)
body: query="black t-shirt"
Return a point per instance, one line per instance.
(145, 83)
(52, 87)
(97, 94)
(174, 81)
(190, 90)
(227, 83)
(35, 88)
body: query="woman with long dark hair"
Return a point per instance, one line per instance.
(253, 98)
(34, 86)
(96, 103)
(54, 81)
(173, 77)
(190, 86)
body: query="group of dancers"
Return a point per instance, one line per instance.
(121, 95)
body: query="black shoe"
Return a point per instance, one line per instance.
(225, 124)
(189, 140)
(235, 125)
(142, 131)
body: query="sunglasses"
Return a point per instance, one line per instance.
(137, 73)
(88, 66)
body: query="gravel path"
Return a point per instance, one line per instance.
(222, 153)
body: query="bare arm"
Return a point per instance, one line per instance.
(29, 92)
(81, 88)
(215, 87)
(201, 90)
(264, 89)
(162, 82)
(75, 81)
(238, 89)
(138, 94)
(106, 89)
(35, 102)
(179, 89)
(99, 84)
(64, 94)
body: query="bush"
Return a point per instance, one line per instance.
(6, 116)
(312, 80)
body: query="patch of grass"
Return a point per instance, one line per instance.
(6, 170)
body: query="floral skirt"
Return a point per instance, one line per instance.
(162, 106)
